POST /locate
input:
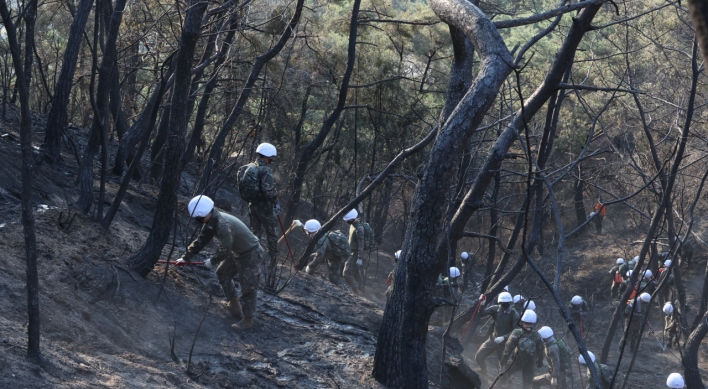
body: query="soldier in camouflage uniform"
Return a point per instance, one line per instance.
(636, 320)
(524, 347)
(672, 324)
(617, 278)
(605, 372)
(332, 247)
(239, 252)
(579, 310)
(558, 356)
(353, 266)
(686, 251)
(505, 318)
(392, 275)
(264, 211)
(667, 278)
(468, 261)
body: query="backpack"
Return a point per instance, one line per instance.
(249, 183)
(527, 347)
(564, 352)
(339, 244)
(368, 236)
(618, 278)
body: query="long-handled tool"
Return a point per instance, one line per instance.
(184, 263)
(663, 347)
(469, 323)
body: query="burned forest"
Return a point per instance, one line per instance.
(354, 194)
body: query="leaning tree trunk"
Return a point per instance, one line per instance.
(58, 114)
(28, 226)
(144, 260)
(690, 358)
(104, 82)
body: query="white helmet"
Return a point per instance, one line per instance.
(312, 225)
(529, 316)
(545, 332)
(398, 254)
(351, 215)
(454, 272)
(464, 255)
(667, 263)
(577, 300)
(530, 305)
(646, 297)
(505, 297)
(518, 298)
(647, 274)
(629, 273)
(581, 359)
(636, 258)
(620, 261)
(200, 206)
(675, 380)
(266, 150)
(592, 214)
(668, 308)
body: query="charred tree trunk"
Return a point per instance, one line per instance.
(102, 110)
(690, 357)
(158, 144)
(58, 114)
(144, 260)
(28, 226)
(116, 105)
(578, 187)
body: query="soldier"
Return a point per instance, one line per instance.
(634, 320)
(505, 318)
(600, 210)
(627, 266)
(686, 250)
(664, 273)
(604, 371)
(257, 186)
(392, 275)
(617, 278)
(519, 302)
(675, 381)
(647, 284)
(529, 305)
(525, 348)
(578, 309)
(468, 261)
(332, 247)
(558, 356)
(352, 267)
(239, 252)
(672, 324)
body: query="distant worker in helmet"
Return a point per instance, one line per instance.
(675, 381)
(667, 278)
(505, 318)
(468, 262)
(392, 275)
(686, 250)
(256, 185)
(519, 302)
(672, 324)
(239, 253)
(523, 350)
(605, 372)
(558, 357)
(332, 247)
(600, 210)
(634, 315)
(579, 310)
(353, 267)
(617, 278)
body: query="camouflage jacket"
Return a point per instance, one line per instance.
(529, 345)
(356, 237)
(557, 357)
(267, 181)
(233, 236)
(504, 322)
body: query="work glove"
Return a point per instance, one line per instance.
(181, 261)
(482, 299)
(297, 223)
(208, 263)
(276, 209)
(499, 340)
(554, 383)
(308, 270)
(359, 262)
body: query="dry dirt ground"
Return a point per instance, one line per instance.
(105, 327)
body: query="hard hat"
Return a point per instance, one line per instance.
(620, 261)
(266, 150)
(667, 263)
(529, 316)
(312, 225)
(518, 298)
(200, 206)
(668, 308)
(675, 380)
(577, 300)
(647, 274)
(464, 255)
(351, 215)
(504, 297)
(646, 297)
(629, 273)
(545, 332)
(636, 258)
(454, 272)
(398, 254)
(581, 359)
(530, 305)
(592, 214)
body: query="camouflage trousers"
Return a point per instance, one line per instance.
(334, 267)
(353, 273)
(263, 218)
(247, 266)
(485, 350)
(527, 372)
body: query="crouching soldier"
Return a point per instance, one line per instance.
(558, 356)
(239, 252)
(524, 347)
(505, 318)
(332, 247)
